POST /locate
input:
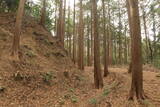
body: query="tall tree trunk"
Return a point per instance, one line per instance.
(119, 34)
(146, 36)
(151, 50)
(130, 29)
(88, 43)
(115, 50)
(55, 22)
(129, 47)
(76, 43)
(104, 42)
(67, 40)
(154, 30)
(60, 23)
(92, 34)
(17, 32)
(114, 43)
(74, 35)
(97, 69)
(137, 77)
(69, 33)
(126, 55)
(43, 14)
(110, 36)
(80, 39)
(63, 22)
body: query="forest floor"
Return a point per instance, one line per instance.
(46, 76)
(116, 89)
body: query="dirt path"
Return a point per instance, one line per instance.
(116, 87)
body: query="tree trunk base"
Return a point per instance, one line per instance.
(106, 74)
(140, 96)
(15, 56)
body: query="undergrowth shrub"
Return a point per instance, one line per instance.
(47, 77)
(74, 99)
(93, 101)
(30, 54)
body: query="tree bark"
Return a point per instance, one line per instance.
(80, 39)
(110, 37)
(119, 34)
(126, 55)
(137, 76)
(130, 29)
(17, 32)
(43, 14)
(154, 30)
(104, 42)
(92, 34)
(88, 43)
(60, 24)
(55, 22)
(69, 33)
(97, 69)
(74, 35)
(63, 23)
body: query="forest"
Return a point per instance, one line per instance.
(79, 53)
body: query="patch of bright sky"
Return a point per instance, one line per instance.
(70, 2)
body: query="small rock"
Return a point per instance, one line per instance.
(158, 75)
(18, 76)
(2, 89)
(66, 74)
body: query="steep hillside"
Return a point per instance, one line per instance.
(44, 72)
